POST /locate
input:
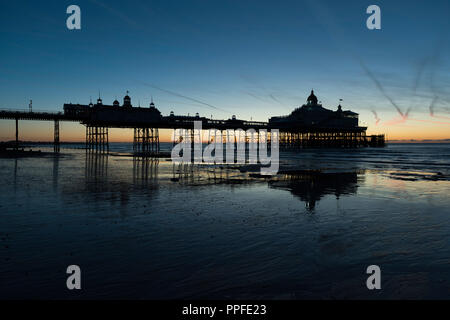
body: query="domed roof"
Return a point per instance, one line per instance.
(312, 99)
(116, 102)
(127, 100)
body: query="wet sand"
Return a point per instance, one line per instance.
(151, 229)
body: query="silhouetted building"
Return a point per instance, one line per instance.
(108, 115)
(312, 125)
(313, 114)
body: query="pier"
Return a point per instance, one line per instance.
(308, 126)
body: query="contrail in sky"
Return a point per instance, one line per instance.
(185, 97)
(432, 104)
(420, 70)
(339, 36)
(255, 96)
(275, 99)
(381, 88)
(376, 116)
(262, 88)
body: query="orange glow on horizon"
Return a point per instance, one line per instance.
(395, 129)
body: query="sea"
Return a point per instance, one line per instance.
(148, 228)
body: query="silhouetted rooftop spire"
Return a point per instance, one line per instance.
(339, 106)
(99, 100)
(151, 103)
(312, 99)
(127, 100)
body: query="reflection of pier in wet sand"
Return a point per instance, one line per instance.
(310, 187)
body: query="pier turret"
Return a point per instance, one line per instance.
(127, 101)
(152, 105)
(312, 99)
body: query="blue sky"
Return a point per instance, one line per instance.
(254, 59)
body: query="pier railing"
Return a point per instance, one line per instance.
(14, 114)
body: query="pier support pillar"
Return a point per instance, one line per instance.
(17, 134)
(293, 139)
(146, 141)
(97, 138)
(56, 137)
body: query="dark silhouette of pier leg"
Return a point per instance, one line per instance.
(17, 134)
(135, 140)
(146, 141)
(97, 138)
(377, 140)
(156, 137)
(293, 139)
(56, 137)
